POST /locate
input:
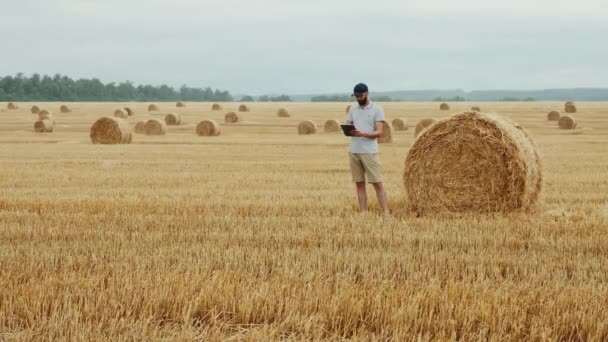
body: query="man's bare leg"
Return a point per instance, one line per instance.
(382, 198)
(361, 196)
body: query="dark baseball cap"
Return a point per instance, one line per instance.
(360, 89)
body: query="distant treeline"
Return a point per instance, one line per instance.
(266, 98)
(346, 98)
(63, 88)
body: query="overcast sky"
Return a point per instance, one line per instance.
(312, 46)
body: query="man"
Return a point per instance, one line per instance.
(363, 151)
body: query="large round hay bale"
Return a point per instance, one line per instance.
(140, 127)
(307, 127)
(180, 104)
(387, 133)
(208, 128)
(570, 108)
(422, 124)
(44, 126)
(472, 162)
(444, 106)
(155, 127)
(231, 117)
(216, 106)
(348, 109)
(45, 115)
(567, 122)
(331, 126)
(400, 124)
(111, 131)
(283, 113)
(12, 105)
(568, 103)
(553, 115)
(64, 109)
(129, 111)
(152, 107)
(35, 109)
(476, 109)
(121, 113)
(173, 119)
(243, 108)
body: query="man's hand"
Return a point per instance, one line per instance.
(357, 133)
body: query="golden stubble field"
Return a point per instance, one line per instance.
(254, 234)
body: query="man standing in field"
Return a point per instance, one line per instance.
(363, 151)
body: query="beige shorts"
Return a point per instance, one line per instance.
(365, 165)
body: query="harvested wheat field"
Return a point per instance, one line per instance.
(254, 235)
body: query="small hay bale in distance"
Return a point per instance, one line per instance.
(244, 108)
(121, 113)
(216, 106)
(473, 162)
(400, 124)
(553, 115)
(180, 104)
(331, 126)
(139, 127)
(35, 109)
(45, 115)
(231, 117)
(570, 108)
(44, 126)
(12, 106)
(476, 109)
(307, 127)
(111, 131)
(444, 106)
(387, 133)
(152, 107)
(567, 122)
(173, 119)
(129, 111)
(155, 127)
(422, 125)
(208, 128)
(64, 109)
(283, 113)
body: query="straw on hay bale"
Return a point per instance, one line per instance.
(216, 106)
(476, 109)
(173, 119)
(567, 122)
(231, 117)
(400, 124)
(444, 106)
(208, 128)
(35, 109)
(129, 111)
(422, 125)
(121, 113)
(64, 109)
(473, 162)
(12, 105)
(180, 104)
(331, 126)
(387, 133)
(155, 127)
(152, 107)
(139, 127)
(283, 113)
(111, 131)
(568, 103)
(553, 115)
(45, 115)
(307, 127)
(243, 108)
(44, 126)
(570, 108)
(348, 109)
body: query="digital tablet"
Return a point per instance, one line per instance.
(347, 129)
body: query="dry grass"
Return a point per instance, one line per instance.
(307, 127)
(253, 235)
(554, 115)
(400, 124)
(231, 117)
(331, 126)
(567, 122)
(173, 119)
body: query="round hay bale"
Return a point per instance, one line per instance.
(173, 119)
(387, 133)
(129, 111)
(444, 106)
(231, 117)
(45, 115)
(35, 109)
(569, 103)
(152, 107)
(570, 108)
(283, 113)
(64, 109)
(12, 105)
(155, 127)
(476, 109)
(111, 131)
(567, 122)
(216, 106)
(140, 127)
(348, 109)
(121, 113)
(331, 126)
(422, 125)
(243, 108)
(553, 115)
(180, 104)
(400, 124)
(44, 126)
(473, 162)
(208, 128)
(307, 127)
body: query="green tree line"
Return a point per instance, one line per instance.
(63, 88)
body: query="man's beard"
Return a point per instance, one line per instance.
(362, 101)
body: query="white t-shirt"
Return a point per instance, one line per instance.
(364, 119)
